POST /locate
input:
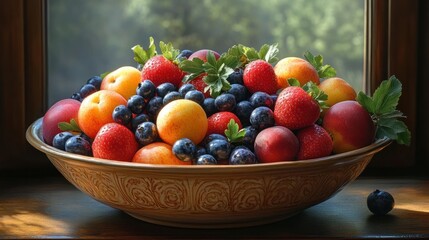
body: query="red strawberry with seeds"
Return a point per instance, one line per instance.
(295, 108)
(159, 70)
(115, 142)
(314, 142)
(218, 122)
(259, 76)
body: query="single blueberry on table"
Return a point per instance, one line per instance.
(380, 202)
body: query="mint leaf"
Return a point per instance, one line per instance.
(382, 107)
(69, 127)
(324, 71)
(233, 133)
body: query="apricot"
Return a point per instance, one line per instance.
(158, 153)
(338, 90)
(123, 80)
(182, 119)
(96, 110)
(294, 67)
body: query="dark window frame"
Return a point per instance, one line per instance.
(396, 43)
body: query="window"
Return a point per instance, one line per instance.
(86, 38)
(396, 42)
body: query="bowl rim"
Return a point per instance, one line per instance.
(34, 137)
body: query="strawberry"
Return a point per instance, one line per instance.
(295, 108)
(200, 85)
(115, 142)
(218, 122)
(159, 70)
(259, 76)
(314, 142)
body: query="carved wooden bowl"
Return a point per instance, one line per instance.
(221, 196)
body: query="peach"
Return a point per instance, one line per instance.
(158, 153)
(350, 126)
(294, 67)
(96, 110)
(182, 119)
(202, 54)
(62, 111)
(276, 144)
(338, 90)
(123, 80)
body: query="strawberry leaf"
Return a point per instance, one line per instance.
(141, 55)
(324, 71)
(233, 133)
(382, 107)
(72, 126)
(293, 82)
(317, 94)
(168, 51)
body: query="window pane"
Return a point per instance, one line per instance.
(87, 38)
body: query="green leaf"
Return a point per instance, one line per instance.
(382, 107)
(317, 94)
(168, 51)
(72, 126)
(104, 75)
(324, 71)
(233, 133)
(141, 55)
(293, 82)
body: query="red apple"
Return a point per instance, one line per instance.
(276, 144)
(62, 111)
(350, 126)
(202, 54)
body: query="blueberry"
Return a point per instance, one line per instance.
(76, 96)
(212, 137)
(185, 53)
(184, 149)
(201, 151)
(249, 137)
(243, 111)
(259, 99)
(136, 104)
(171, 96)
(236, 77)
(60, 140)
(146, 133)
(165, 88)
(225, 102)
(242, 155)
(95, 81)
(122, 115)
(239, 91)
(154, 106)
(274, 98)
(380, 202)
(206, 159)
(261, 118)
(195, 96)
(219, 148)
(186, 88)
(209, 106)
(86, 90)
(146, 89)
(79, 145)
(141, 118)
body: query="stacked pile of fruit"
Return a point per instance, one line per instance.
(240, 107)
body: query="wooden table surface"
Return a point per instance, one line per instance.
(50, 207)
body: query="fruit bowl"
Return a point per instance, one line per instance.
(203, 196)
